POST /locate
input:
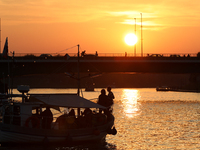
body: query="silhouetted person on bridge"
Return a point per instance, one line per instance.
(82, 53)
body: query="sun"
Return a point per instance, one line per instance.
(131, 39)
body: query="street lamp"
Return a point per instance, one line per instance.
(141, 37)
(135, 34)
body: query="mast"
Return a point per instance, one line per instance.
(78, 92)
(12, 76)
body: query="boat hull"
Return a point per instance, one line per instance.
(21, 135)
(19, 138)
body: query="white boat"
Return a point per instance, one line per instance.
(22, 122)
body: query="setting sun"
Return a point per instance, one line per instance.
(131, 39)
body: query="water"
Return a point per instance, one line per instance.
(145, 119)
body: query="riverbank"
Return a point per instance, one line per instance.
(114, 80)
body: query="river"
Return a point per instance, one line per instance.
(144, 119)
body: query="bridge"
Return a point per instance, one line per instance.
(92, 64)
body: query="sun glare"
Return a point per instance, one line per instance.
(130, 104)
(131, 39)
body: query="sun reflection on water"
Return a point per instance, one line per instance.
(129, 101)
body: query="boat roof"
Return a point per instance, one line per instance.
(64, 100)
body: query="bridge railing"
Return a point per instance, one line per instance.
(109, 54)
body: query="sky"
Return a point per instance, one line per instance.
(55, 26)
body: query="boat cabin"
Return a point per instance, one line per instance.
(80, 113)
(18, 113)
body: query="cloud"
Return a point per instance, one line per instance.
(162, 14)
(47, 11)
(155, 12)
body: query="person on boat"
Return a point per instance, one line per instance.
(81, 121)
(71, 120)
(88, 115)
(72, 113)
(110, 96)
(104, 101)
(47, 118)
(61, 120)
(87, 111)
(101, 118)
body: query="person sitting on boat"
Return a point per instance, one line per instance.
(87, 111)
(72, 113)
(101, 118)
(61, 120)
(71, 118)
(88, 115)
(47, 118)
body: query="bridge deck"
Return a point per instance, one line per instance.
(37, 65)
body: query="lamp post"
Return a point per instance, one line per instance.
(141, 38)
(0, 35)
(135, 34)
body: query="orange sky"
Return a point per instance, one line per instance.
(51, 26)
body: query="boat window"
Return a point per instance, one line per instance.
(7, 110)
(36, 111)
(16, 110)
(6, 118)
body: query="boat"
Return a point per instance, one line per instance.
(166, 88)
(22, 122)
(74, 119)
(162, 88)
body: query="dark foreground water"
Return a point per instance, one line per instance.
(145, 119)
